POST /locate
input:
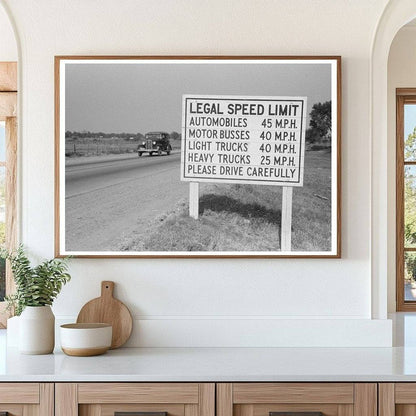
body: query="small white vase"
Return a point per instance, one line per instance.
(37, 330)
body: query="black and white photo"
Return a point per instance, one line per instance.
(193, 156)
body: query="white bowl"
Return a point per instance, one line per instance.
(83, 340)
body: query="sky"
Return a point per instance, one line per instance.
(2, 168)
(409, 119)
(143, 97)
(2, 141)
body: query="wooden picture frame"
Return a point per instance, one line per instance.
(8, 162)
(404, 96)
(136, 136)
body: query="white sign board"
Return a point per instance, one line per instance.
(253, 140)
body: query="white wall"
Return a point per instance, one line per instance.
(211, 302)
(8, 47)
(401, 74)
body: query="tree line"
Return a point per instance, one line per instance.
(76, 135)
(319, 131)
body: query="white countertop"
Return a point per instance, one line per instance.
(213, 364)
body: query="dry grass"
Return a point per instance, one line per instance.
(248, 217)
(97, 147)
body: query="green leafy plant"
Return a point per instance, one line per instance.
(35, 286)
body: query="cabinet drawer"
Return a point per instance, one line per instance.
(297, 399)
(19, 393)
(138, 393)
(108, 399)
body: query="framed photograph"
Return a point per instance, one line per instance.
(198, 156)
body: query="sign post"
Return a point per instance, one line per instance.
(194, 200)
(286, 226)
(244, 140)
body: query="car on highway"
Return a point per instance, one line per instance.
(155, 142)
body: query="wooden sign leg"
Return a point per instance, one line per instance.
(194, 199)
(286, 238)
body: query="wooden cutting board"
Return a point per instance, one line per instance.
(107, 309)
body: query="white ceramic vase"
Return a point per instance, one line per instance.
(37, 330)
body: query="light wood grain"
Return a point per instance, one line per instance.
(339, 158)
(405, 410)
(31, 410)
(224, 399)
(207, 399)
(84, 352)
(66, 399)
(245, 410)
(27, 393)
(11, 196)
(57, 159)
(107, 309)
(47, 399)
(252, 393)
(171, 409)
(406, 91)
(264, 409)
(400, 304)
(138, 393)
(90, 410)
(386, 399)
(365, 399)
(405, 393)
(11, 205)
(8, 105)
(13, 409)
(191, 410)
(8, 76)
(403, 96)
(344, 410)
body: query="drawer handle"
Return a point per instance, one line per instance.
(296, 414)
(138, 414)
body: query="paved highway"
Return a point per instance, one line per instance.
(109, 200)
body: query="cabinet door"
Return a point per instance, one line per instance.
(145, 399)
(26, 399)
(397, 399)
(297, 399)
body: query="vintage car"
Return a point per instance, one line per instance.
(155, 142)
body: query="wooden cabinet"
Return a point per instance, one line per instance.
(208, 399)
(397, 399)
(27, 399)
(105, 399)
(264, 399)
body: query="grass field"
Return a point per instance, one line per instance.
(248, 217)
(97, 147)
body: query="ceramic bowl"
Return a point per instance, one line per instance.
(83, 340)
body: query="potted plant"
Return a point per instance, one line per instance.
(36, 289)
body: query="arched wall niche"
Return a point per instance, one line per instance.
(8, 43)
(396, 14)
(400, 74)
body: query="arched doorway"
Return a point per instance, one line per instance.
(396, 14)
